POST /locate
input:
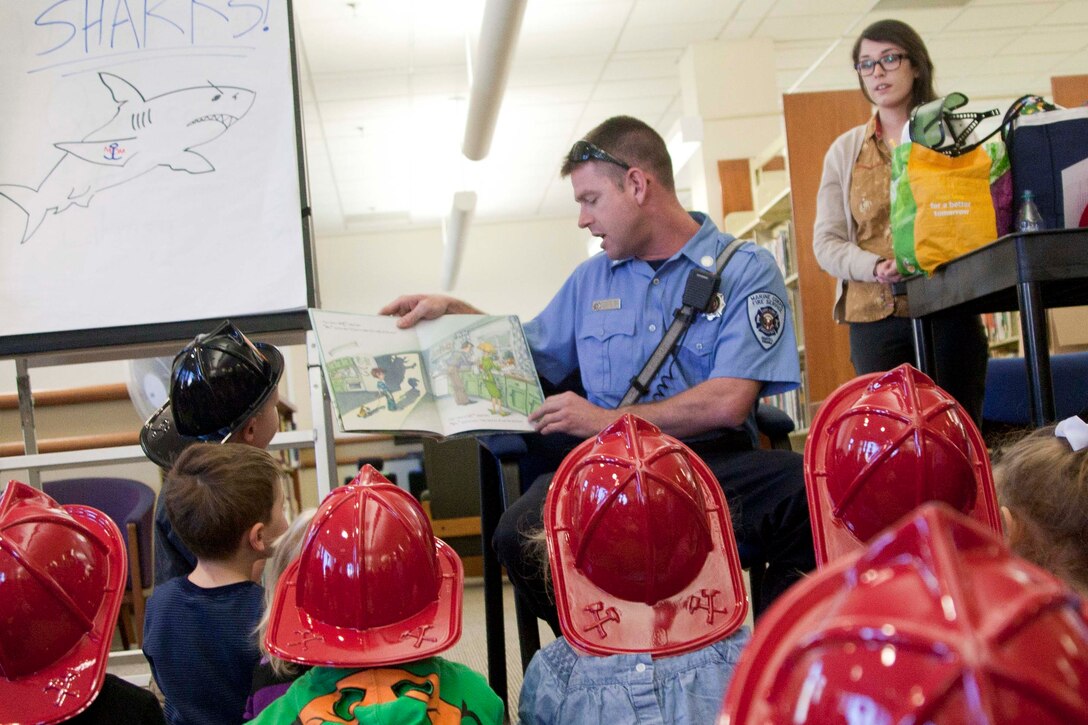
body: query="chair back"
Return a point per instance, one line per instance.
(1006, 397)
(122, 499)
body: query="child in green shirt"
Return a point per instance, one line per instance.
(370, 602)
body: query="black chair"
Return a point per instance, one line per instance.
(131, 505)
(508, 460)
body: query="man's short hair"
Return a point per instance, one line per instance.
(216, 492)
(635, 143)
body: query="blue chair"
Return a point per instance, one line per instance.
(1006, 404)
(131, 505)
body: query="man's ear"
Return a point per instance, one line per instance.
(639, 182)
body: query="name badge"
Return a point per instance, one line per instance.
(602, 305)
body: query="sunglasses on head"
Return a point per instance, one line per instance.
(585, 151)
(936, 126)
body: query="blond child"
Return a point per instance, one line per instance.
(370, 602)
(1042, 485)
(272, 676)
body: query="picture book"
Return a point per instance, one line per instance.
(456, 375)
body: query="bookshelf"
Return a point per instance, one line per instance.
(769, 224)
(1002, 333)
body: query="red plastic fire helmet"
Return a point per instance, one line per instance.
(935, 622)
(641, 548)
(62, 578)
(881, 445)
(372, 585)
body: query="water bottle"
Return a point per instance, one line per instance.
(1028, 218)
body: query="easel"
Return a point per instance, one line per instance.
(319, 437)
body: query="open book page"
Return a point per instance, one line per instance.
(374, 372)
(458, 374)
(481, 372)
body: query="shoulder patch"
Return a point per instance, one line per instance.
(766, 317)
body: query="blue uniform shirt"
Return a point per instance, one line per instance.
(609, 316)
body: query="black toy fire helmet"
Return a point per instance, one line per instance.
(217, 383)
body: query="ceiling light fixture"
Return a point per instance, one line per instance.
(454, 233)
(494, 55)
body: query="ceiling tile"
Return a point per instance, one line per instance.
(665, 37)
(575, 40)
(753, 9)
(1019, 17)
(801, 54)
(740, 29)
(669, 12)
(792, 8)
(1069, 13)
(577, 69)
(557, 18)
(962, 44)
(646, 64)
(1040, 63)
(927, 21)
(635, 89)
(356, 86)
(810, 27)
(981, 86)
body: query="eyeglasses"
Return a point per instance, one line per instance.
(585, 151)
(888, 62)
(934, 123)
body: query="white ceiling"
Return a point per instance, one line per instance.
(385, 84)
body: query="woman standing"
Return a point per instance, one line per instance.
(853, 239)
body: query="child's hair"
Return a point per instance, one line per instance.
(285, 550)
(1044, 484)
(217, 492)
(536, 551)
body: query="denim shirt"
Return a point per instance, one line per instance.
(563, 686)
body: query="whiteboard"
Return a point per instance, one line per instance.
(149, 165)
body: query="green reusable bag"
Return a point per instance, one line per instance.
(943, 206)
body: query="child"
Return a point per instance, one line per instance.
(1042, 483)
(372, 598)
(647, 582)
(226, 504)
(223, 388)
(272, 676)
(934, 622)
(62, 579)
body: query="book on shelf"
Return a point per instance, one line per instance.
(792, 404)
(779, 244)
(456, 375)
(1001, 327)
(795, 308)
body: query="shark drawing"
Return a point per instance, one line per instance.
(145, 133)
